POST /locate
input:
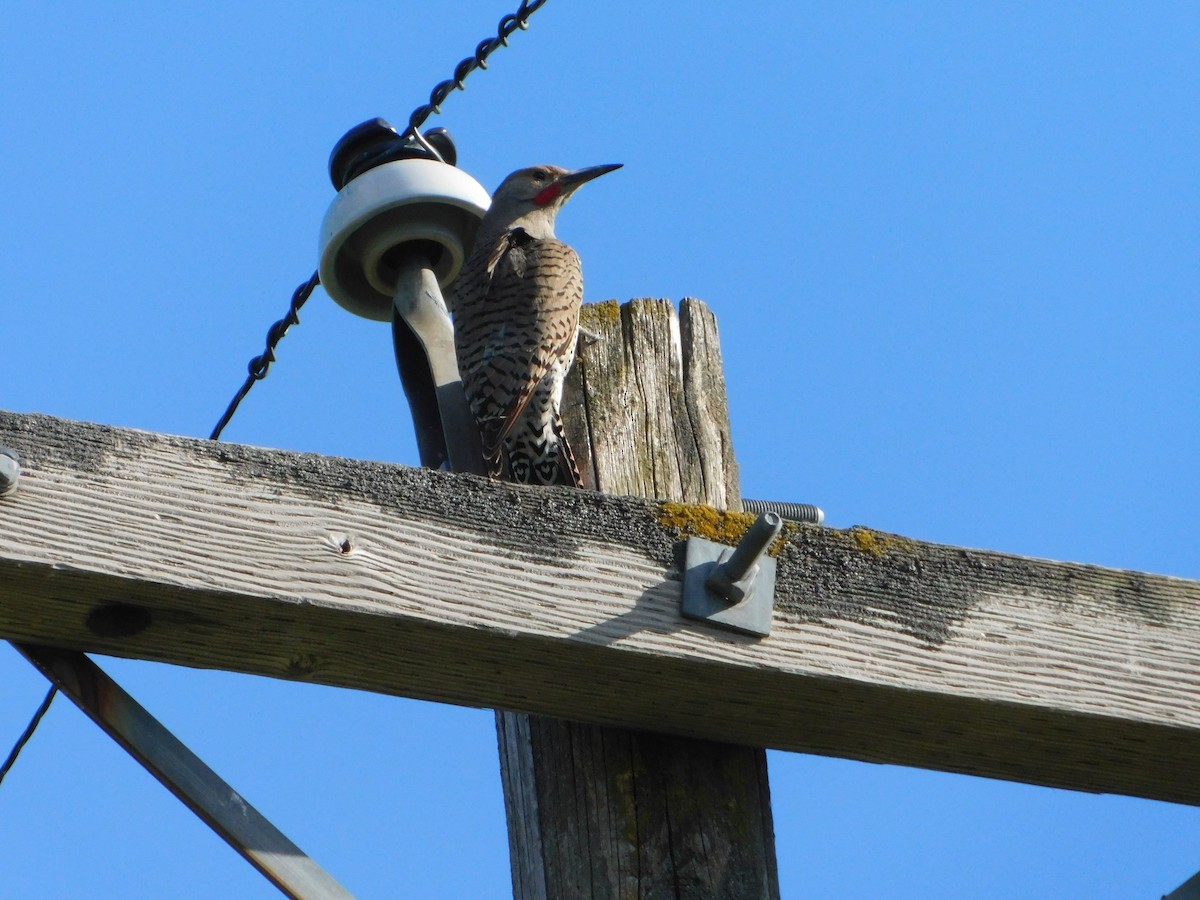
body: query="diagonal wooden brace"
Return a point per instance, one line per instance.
(184, 774)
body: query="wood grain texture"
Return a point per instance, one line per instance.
(602, 812)
(608, 812)
(645, 404)
(566, 603)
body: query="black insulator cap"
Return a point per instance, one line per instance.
(375, 142)
(441, 141)
(357, 146)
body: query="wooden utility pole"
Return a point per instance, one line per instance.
(599, 812)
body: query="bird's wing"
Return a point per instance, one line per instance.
(521, 316)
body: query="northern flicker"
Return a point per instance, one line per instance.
(516, 321)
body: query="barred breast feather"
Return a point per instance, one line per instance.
(516, 319)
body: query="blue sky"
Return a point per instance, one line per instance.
(954, 251)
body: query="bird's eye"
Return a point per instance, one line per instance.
(539, 175)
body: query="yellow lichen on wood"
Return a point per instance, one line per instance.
(877, 543)
(719, 525)
(605, 311)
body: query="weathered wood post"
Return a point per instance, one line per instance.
(604, 812)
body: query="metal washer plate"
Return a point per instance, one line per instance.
(751, 616)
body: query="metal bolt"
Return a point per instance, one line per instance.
(10, 471)
(730, 578)
(797, 512)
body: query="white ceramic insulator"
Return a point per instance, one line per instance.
(385, 207)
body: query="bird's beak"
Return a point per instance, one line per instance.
(572, 180)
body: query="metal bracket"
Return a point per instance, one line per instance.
(733, 587)
(425, 355)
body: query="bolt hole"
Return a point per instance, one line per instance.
(119, 620)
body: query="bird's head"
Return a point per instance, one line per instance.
(536, 194)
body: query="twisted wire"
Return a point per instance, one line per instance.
(485, 48)
(510, 23)
(259, 366)
(28, 732)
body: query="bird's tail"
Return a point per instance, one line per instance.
(540, 458)
(568, 468)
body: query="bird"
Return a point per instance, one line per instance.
(516, 306)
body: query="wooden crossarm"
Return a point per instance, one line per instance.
(566, 603)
